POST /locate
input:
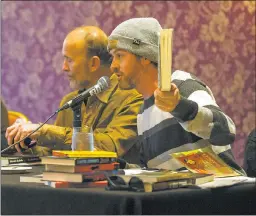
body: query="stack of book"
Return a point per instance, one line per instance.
(79, 168)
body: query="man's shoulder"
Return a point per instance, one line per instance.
(69, 96)
(129, 94)
(182, 76)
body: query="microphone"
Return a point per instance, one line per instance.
(102, 84)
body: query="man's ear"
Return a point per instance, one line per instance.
(144, 61)
(94, 63)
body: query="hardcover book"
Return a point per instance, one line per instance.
(85, 154)
(166, 175)
(58, 160)
(32, 178)
(26, 159)
(165, 59)
(79, 177)
(63, 184)
(81, 168)
(159, 180)
(173, 184)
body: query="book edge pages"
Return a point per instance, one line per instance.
(165, 61)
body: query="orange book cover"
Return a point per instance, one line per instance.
(204, 160)
(81, 168)
(60, 184)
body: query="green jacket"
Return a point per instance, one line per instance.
(115, 130)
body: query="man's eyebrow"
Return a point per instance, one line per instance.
(65, 56)
(112, 52)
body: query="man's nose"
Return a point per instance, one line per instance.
(65, 66)
(114, 67)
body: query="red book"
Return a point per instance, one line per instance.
(60, 184)
(81, 168)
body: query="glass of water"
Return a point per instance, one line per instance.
(83, 140)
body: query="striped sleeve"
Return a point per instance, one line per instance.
(198, 113)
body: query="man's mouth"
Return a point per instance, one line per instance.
(118, 76)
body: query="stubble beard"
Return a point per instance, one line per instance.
(78, 85)
(126, 84)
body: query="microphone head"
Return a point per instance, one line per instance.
(104, 82)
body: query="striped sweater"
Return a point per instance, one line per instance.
(196, 122)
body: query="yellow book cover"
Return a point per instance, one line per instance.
(204, 160)
(85, 154)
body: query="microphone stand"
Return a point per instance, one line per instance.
(77, 122)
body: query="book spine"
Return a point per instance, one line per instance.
(98, 167)
(80, 161)
(81, 168)
(60, 184)
(23, 160)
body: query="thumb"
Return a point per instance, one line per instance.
(173, 87)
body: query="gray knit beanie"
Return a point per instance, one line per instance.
(138, 36)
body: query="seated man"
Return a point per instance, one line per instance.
(112, 113)
(250, 155)
(185, 118)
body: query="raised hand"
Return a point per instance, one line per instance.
(167, 100)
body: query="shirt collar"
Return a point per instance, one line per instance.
(105, 95)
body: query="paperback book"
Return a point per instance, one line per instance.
(204, 160)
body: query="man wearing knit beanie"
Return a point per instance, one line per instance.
(185, 118)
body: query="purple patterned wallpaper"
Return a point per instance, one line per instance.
(214, 40)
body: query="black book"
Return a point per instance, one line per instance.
(57, 160)
(12, 160)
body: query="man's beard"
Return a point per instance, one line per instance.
(126, 84)
(129, 82)
(77, 85)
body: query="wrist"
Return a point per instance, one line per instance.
(185, 110)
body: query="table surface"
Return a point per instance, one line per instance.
(33, 198)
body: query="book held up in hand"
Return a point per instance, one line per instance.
(204, 160)
(165, 59)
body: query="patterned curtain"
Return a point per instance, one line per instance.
(215, 40)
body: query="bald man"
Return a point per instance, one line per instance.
(112, 112)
